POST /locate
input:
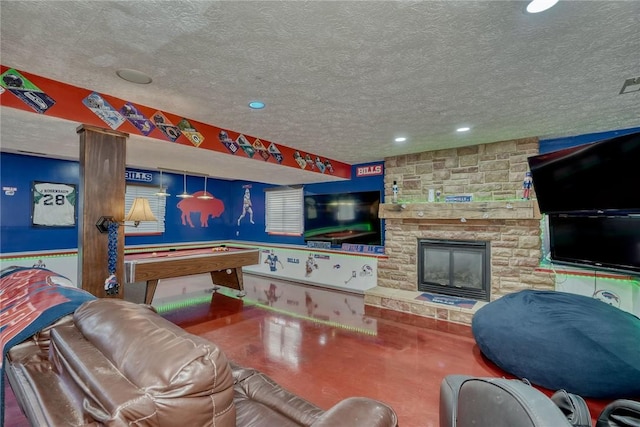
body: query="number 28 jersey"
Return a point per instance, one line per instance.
(54, 204)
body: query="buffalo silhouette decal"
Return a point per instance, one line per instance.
(205, 207)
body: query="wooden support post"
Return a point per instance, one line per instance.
(102, 192)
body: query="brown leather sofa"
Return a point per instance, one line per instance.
(117, 363)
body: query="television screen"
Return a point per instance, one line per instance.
(600, 176)
(343, 218)
(611, 242)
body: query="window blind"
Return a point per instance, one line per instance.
(283, 211)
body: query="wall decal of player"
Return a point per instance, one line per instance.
(310, 265)
(272, 260)
(246, 205)
(205, 207)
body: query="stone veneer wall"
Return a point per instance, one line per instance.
(489, 172)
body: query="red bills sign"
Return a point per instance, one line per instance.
(369, 170)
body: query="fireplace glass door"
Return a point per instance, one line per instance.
(456, 268)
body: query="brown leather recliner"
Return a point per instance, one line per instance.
(119, 363)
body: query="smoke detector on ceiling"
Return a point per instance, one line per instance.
(630, 85)
(134, 76)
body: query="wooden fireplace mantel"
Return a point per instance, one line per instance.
(524, 209)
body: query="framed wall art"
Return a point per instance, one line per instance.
(53, 204)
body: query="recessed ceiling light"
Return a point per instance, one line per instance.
(463, 129)
(400, 139)
(134, 76)
(537, 6)
(256, 105)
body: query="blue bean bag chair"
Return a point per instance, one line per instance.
(565, 341)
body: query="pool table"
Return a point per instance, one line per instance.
(347, 236)
(224, 263)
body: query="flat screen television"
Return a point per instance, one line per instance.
(609, 242)
(343, 218)
(600, 176)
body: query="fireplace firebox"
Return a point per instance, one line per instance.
(456, 268)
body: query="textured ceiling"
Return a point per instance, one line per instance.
(340, 79)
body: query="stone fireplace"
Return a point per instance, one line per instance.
(510, 226)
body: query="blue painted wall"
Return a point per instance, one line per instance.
(18, 235)
(177, 230)
(16, 232)
(255, 232)
(555, 144)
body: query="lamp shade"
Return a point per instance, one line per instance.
(140, 211)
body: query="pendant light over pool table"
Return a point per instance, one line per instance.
(184, 194)
(162, 191)
(205, 195)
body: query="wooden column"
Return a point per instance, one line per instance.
(102, 192)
